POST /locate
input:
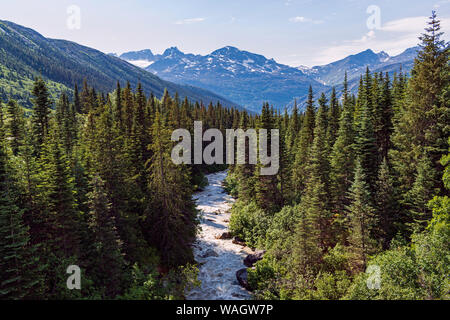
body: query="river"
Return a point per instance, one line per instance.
(218, 259)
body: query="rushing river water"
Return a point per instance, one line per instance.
(218, 259)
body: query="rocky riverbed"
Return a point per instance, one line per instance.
(218, 257)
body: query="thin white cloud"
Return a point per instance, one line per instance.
(393, 37)
(190, 21)
(410, 25)
(440, 3)
(300, 19)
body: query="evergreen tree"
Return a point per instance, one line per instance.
(316, 197)
(304, 143)
(108, 266)
(421, 127)
(361, 220)
(366, 148)
(333, 120)
(171, 216)
(342, 159)
(386, 206)
(268, 196)
(17, 260)
(41, 112)
(15, 126)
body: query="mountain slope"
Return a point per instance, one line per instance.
(25, 54)
(244, 77)
(355, 65)
(251, 79)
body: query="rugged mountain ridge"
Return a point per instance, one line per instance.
(251, 79)
(26, 54)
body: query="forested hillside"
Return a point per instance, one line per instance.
(363, 182)
(26, 54)
(363, 185)
(92, 184)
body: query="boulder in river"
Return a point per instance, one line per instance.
(210, 253)
(242, 278)
(251, 259)
(239, 241)
(224, 235)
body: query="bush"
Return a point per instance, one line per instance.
(231, 185)
(250, 223)
(152, 286)
(282, 227)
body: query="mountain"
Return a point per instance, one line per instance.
(247, 78)
(355, 65)
(251, 79)
(26, 54)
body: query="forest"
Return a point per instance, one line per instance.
(363, 181)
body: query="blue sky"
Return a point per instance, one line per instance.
(294, 32)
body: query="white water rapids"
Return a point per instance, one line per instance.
(217, 269)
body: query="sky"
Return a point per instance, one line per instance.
(293, 32)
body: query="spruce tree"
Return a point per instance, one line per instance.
(366, 148)
(268, 195)
(171, 216)
(342, 159)
(305, 140)
(41, 112)
(386, 206)
(333, 120)
(109, 264)
(361, 220)
(17, 259)
(421, 127)
(15, 127)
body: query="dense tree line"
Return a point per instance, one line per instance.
(360, 184)
(90, 182)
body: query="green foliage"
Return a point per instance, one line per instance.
(249, 223)
(151, 286)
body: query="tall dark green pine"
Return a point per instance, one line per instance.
(57, 199)
(41, 112)
(303, 146)
(342, 159)
(18, 279)
(422, 191)
(316, 197)
(245, 172)
(421, 126)
(76, 100)
(292, 129)
(118, 117)
(334, 113)
(171, 218)
(386, 206)
(268, 195)
(366, 148)
(383, 114)
(362, 219)
(109, 264)
(15, 127)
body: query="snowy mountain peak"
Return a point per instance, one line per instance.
(172, 52)
(383, 56)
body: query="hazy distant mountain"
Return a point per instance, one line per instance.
(25, 54)
(251, 79)
(248, 79)
(332, 74)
